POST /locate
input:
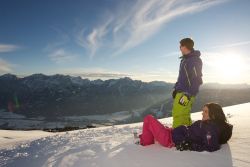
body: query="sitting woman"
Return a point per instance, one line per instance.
(203, 135)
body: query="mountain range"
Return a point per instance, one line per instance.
(42, 101)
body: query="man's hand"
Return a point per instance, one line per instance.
(184, 100)
(174, 93)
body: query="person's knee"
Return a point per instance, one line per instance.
(148, 117)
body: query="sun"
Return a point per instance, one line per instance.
(229, 68)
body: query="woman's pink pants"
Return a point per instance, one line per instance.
(153, 131)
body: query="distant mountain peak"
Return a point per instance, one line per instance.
(9, 76)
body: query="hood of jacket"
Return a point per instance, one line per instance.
(193, 53)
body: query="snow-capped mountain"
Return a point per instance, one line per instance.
(113, 146)
(54, 98)
(50, 96)
(39, 101)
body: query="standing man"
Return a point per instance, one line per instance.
(188, 83)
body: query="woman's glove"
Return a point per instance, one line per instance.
(184, 145)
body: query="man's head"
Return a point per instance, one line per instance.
(186, 45)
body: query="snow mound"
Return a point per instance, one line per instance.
(113, 147)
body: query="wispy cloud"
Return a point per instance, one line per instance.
(61, 39)
(93, 73)
(61, 56)
(134, 24)
(94, 39)
(208, 52)
(171, 54)
(241, 43)
(56, 49)
(8, 48)
(103, 73)
(5, 67)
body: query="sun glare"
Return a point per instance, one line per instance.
(229, 68)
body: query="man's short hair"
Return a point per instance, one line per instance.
(188, 43)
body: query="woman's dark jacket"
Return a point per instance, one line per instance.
(202, 136)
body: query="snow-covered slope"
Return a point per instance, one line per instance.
(15, 137)
(113, 147)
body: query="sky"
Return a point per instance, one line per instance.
(124, 38)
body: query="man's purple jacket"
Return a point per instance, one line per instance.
(190, 74)
(203, 135)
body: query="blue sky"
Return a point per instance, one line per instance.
(116, 38)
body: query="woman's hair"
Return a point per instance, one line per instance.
(217, 115)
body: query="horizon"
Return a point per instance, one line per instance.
(114, 39)
(103, 79)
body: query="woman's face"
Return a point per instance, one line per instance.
(205, 113)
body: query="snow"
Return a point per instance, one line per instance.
(113, 146)
(14, 137)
